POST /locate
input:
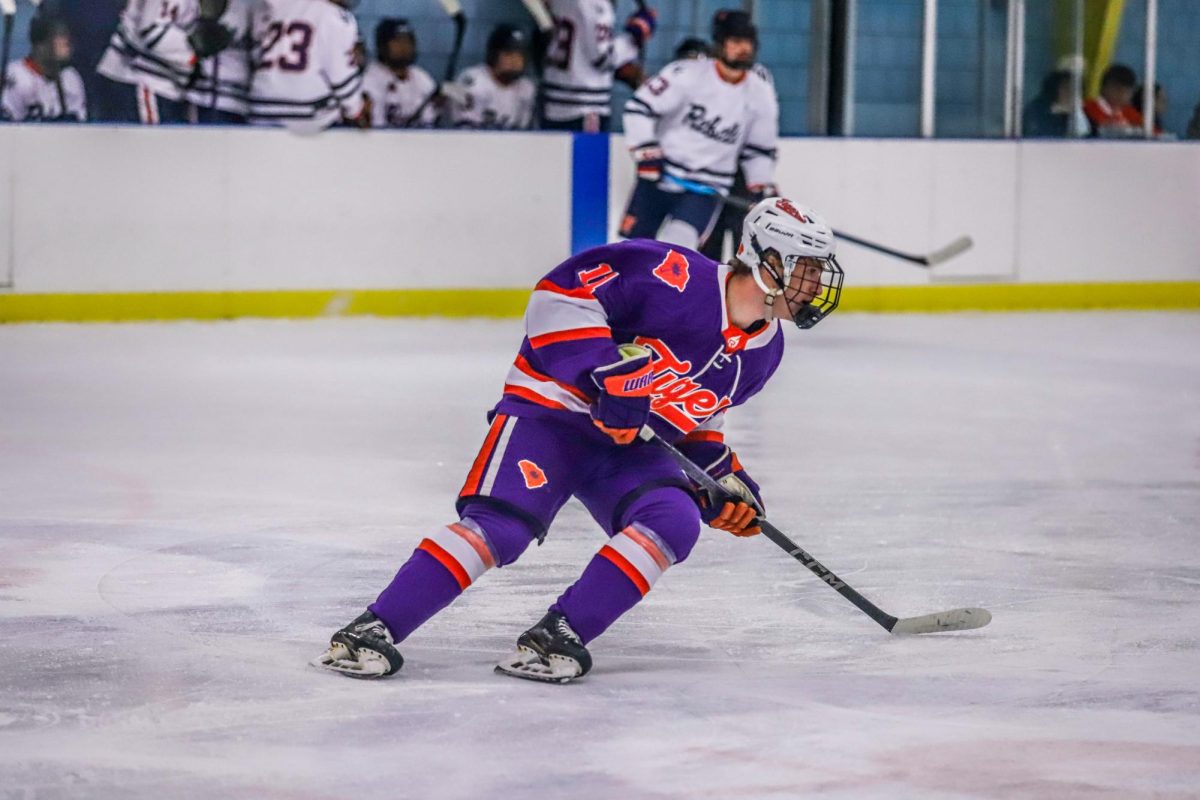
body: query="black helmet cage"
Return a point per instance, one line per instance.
(824, 301)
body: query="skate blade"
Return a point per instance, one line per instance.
(339, 659)
(528, 665)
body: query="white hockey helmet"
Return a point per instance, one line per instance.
(803, 242)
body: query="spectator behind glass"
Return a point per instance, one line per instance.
(495, 95)
(1193, 128)
(401, 94)
(1049, 114)
(1112, 114)
(43, 87)
(1160, 108)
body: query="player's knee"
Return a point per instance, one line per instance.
(508, 535)
(470, 547)
(671, 515)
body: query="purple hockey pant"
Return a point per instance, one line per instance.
(524, 473)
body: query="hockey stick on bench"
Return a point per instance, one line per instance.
(958, 246)
(957, 619)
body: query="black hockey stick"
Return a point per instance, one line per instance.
(958, 246)
(958, 619)
(10, 12)
(454, 9)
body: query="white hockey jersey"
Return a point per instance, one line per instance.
(478, 101)
(583, 54)
(706, 125)
(150, 46)
(394, 101)
(224, 79)
(32, 97)
(304, 62)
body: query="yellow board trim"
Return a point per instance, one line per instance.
(510, 303)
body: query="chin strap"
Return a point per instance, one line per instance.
(769, 295)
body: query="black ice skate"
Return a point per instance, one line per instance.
(549, 651)
(362, 649)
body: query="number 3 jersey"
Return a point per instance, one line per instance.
(665, 297)
(580, 60)
(706, 125)
(305, 65)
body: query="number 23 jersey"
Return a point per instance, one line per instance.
(304, 60)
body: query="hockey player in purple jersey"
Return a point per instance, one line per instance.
(617, 337)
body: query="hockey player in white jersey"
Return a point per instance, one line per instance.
(154, 53)
(43, 87)
(495, 95)
(697, 121)
(218, 89)
(306, 70)
(583, 55)
(399, 92)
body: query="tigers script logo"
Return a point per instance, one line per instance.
(675, 397)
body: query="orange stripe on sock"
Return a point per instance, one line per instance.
(476, 541)
(630, 570)
(649, 546)
(481, 460)
(448, 561)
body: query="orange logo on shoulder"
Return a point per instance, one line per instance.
(673, 271)
(532, 473)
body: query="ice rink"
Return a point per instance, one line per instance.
(187, 511)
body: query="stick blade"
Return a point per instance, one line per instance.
(959, 246)
(958, 619)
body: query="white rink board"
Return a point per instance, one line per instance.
(189, 510)
(142, 209)
(121, 209)
(1039, 212)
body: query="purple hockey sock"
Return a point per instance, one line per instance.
(616, 579)
(421, 588)
(598, 599)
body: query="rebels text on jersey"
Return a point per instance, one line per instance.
(30, 96)
(305, 65)
(665, 297)
(479, 101)
(706, 125)
(583, 54)
(150, 46)
(394, 100)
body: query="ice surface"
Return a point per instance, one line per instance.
(188, 510)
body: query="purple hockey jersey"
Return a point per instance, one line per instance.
(663, 296)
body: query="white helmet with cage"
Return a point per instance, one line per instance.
(800, 241)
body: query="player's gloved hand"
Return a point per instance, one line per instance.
(761, 191)
(209, 37)
(641, 25)
(649, 162)
(623, 405)
(741, 501)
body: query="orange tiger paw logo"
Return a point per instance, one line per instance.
(532, 473)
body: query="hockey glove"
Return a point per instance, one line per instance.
(209, 37)
(649, 162)
(623, 405)
(735, 511)
(641, 25)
